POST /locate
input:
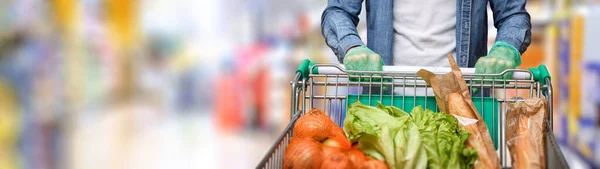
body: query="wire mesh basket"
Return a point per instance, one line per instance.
(332, 89)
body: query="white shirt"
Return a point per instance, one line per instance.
(424, 32)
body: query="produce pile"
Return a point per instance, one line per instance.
(387, 137)
(319, 143)
(423, 139)
(380, 137)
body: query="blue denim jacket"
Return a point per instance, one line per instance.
(339, 20)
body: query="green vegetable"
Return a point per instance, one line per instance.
(374, 130)
(410, 153)
(387, 134)
(423, 139)
(443, 139)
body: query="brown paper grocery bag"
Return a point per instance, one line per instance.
(453, 82)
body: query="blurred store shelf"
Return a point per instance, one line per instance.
(205, 84)
(574, 160)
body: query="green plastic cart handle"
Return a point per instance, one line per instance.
(540, 74)
(304, 67)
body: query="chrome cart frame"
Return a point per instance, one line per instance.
(326, 86)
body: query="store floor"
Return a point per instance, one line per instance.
(135, 137)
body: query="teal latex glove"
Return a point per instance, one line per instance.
(502, 56)
(361, 58)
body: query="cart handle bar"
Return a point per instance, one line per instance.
(539, 74)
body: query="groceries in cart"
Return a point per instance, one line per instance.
(381, 136)
(480, 138)
(453, 96)
(319, 143)
(423, 139)
(525, 133)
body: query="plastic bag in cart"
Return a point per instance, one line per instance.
(525, 133)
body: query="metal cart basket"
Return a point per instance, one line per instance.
(327, 87)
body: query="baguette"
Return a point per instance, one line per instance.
(525, 133)
(486, 154)
(523, 146)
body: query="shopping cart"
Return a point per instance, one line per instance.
(326, 86)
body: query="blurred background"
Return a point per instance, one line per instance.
(205, 84)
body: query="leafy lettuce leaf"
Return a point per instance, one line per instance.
(387, 134)
(423, 139)
(374, 130)
(443, 139)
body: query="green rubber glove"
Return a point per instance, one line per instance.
(502, 56)
(361, 58)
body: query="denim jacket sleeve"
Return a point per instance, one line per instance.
(513, 23)
(338, 25)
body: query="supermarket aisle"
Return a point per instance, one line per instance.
(200, 68)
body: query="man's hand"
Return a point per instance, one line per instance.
(361, 58)
(502, 56)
